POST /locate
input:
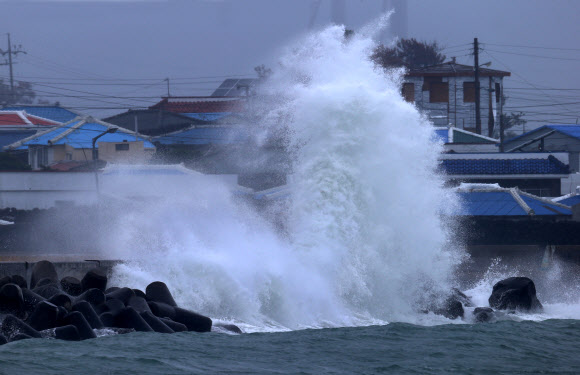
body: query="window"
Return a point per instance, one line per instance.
(469, 92)
(439, 92)
(68, 156)
(408, 92)
(122, 147)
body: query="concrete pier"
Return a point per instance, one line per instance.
(17, 265)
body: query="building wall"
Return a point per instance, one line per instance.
(456, 112)
(125, 152)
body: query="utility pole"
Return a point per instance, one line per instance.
(477, 89)
(10, 52)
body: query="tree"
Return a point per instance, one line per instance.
(408, 53)
(511, 120)
(263, 72)
(23, 93)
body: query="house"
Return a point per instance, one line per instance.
(17, 125)
(154, 122)
(205, 108)
(537, 173)
(73, 141)
(459, 140)
(50, 112)
(445, 93)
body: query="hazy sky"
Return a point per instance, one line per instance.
(102, 57)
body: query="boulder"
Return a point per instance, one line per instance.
(139, 304)
(43, 270)
(176, 327)
(515, 293)
(44, 316)
(162, 310)
(71, 285)
(89, 313)
(12, 300)
(155, 323)
(95, 278)
(47, 291)
(228, 328)
(483, 314)
(61, 299)
(68, 333)
(93, 296)
(129, 318)
(158, 292)
(78, 320)
(122, 294)
(193, 321)
(12, 326)
(20, 281)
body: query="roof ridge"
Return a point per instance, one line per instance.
(72, 128)
(515, 192)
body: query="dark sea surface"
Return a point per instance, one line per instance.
(506, 347)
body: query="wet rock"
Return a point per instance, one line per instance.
(107, 319)
(68, 333)
(155, 323)
(483, 314)
(89, 313)
(139, 304)
(43, 270)
(517, 293)
(12, 300)
(5, 280)
(228, 327)
(78, 320)
(20, 281)
(193, 321)
(47, 291)
(111, 289)
(46, 281)
(176, 327)
(61, 299)
(122, 294)
(158, 292)
(95, 278)
(3, 340)
(93, 296)
(31, 299)
(44, 316)
(114, 306)
(140, 293)
(12, 326)
(162, 310)
(129, 318)
(71, 285)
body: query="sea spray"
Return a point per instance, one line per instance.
(364, 240)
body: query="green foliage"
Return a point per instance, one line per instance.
(512, 119)
(408, 53)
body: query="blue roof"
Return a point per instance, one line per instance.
(570, 130)
(82, 136)
(570, 201)
(207, 116)
(442, 134)
(501, 202)
(203, 136)
(8, 137)
(549, 165)
(54, 113)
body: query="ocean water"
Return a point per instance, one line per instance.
(364, 249)
(548, 347)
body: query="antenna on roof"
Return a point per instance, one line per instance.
(167, 80)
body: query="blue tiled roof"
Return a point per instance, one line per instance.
(571, 201)
(82, 136)
(549, 165)
(570, 130)
(7, 137)
(202, 136)
(503, 203)
(54, 113)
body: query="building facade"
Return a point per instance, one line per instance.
(445, 93)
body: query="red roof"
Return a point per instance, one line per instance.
(21, 118)
(200, 105)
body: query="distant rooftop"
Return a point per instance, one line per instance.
(200, 104)
(572, 130)
(235, 87)
(51, 112)
(452, 69)
(549, 165)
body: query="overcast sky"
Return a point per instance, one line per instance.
(102, 57)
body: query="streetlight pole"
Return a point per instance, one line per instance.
(95, 158)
